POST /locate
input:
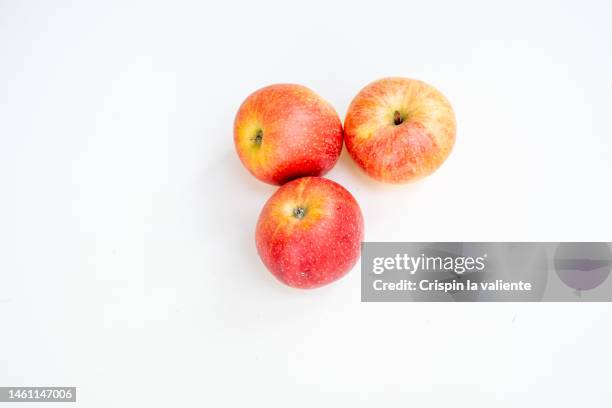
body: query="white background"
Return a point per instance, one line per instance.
(127, 258)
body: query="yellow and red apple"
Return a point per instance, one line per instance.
(309, 232)
(399, 130)
(286, 131)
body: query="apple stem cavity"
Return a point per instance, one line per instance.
(258, 139)
(397, 118)
(299, 212)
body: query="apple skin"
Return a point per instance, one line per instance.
(310, 248)
(286, 131)
(399, 130)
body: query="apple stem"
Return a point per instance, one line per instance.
(299, 212)
(258, 137)
(397, 118)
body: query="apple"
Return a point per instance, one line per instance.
(309, 232)
(286, 131)
(399, 130)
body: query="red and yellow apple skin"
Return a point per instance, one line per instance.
(399, 130)
(309, 232)
(286, 131)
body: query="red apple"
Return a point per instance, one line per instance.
(399, 130)
(309, 232)
(286, 131)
